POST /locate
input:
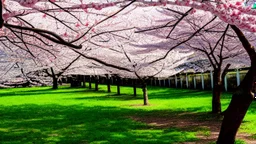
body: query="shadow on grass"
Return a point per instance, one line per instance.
(173, 93)
(164, 93)
(79, 124)
(154, 93)
(38, 92)
(101, 124)
(108, 96)
(49, 90)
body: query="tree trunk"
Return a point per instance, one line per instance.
(96, 83)
(233, 116)
(217, 87)
(217, 90)
(84, 84)
(108, 84)
(55, 83)
(90, 82)
(54, 80)
(134, 88)
(1, 15)
(241, 99)
(118, 86)
(145, 93)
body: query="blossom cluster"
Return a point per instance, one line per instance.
(233, 11)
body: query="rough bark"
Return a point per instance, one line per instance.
(241, 98)
(145, 93)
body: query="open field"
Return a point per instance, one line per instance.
(79, 115)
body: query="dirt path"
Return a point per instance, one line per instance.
(191, 123)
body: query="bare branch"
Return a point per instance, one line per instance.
(179, 20)
(64, 69)
(102, 62)
(103, 20)
(46, 34)
(183, 41)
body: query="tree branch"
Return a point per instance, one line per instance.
(46, 34)
(183, 41)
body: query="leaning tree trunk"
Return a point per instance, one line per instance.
(54, 80)
(236, 111)
(241, 98)
(145, 93)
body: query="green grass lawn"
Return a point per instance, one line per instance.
(79, 115)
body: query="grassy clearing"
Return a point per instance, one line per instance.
(78, 115)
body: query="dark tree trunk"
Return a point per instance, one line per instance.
(54, 80)
(96, 83)
(55, 83)
(134, 87)
(241, 99)
(217, 90)
(1, 15)
(84, 83)
(118, 85)
(217, 87)
(145, 93)
(108, 84)
(233, 116)
(90, 82)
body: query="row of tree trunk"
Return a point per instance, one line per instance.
(118, 84)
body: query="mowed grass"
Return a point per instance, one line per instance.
(79, 115)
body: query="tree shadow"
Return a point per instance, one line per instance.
(164, 93)
(170, 93)
(38, 92)
(109, 96)
(79, 124)
(102, 124)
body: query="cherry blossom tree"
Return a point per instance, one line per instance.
(241, 17)
(222, 48)
(227, 134)
(17, 70)
(196, 35)
(144, 71)
(56, 76)
(70, 29)
(133, 54)
(142, 57)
